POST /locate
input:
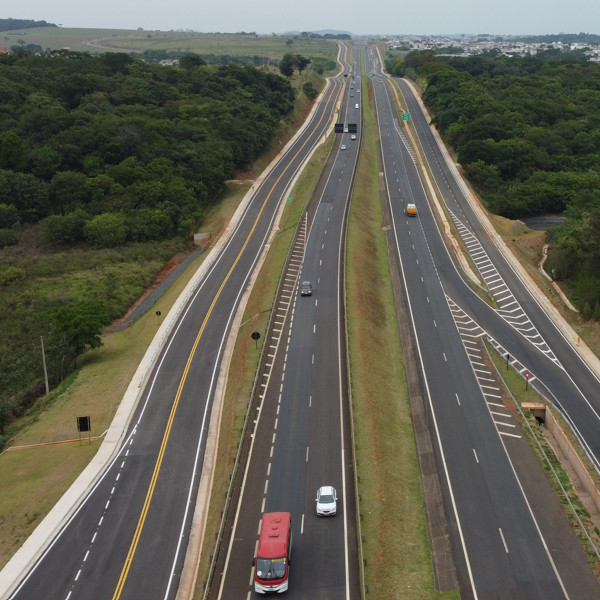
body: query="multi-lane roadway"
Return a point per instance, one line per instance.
(129, 537)
(505, 551)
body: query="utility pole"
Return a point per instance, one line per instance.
(44, 363)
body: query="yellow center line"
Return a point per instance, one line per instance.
(157, 466)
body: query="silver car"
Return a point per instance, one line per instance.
(326, 501)
(305, 288)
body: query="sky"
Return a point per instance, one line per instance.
(384, 17)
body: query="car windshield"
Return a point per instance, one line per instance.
(270, 569)
(326, 499)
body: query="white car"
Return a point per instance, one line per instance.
(326, 501)
(343, 147)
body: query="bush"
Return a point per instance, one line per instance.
(107, 230)
(147, 224)
(63, 230)
(11, 274)
(309, 90)
(8, 238)
(9, 215)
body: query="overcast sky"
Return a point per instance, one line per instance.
(434, 17)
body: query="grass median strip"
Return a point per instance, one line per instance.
(393, 525)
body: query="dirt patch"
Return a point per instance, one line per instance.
(125, 320)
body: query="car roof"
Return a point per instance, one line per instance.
(326, 489)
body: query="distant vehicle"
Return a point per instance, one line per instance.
(345, 130)
(343, 147)
(356, 106)
(326, 501)
(305, 288)
(411, 210)
(272, 562)
(351, 95)
(352, 137)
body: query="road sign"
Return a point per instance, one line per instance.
(256, 337)
(406, 116)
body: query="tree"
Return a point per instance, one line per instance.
(287, 65)
(302, 62)
(12, 152)
(191, 60)
(309, 90)
(64, 230)
(67, 191)
(9, 216)
(78, 327)
(107, 230)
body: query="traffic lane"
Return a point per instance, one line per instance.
(238, 576)
(565, 386)
(563, 349)
(289, 476)
(111, 512)
(438, 347)
(576, 573)
(322, 437)
(318, 557)
(235, 548)
(496, 525)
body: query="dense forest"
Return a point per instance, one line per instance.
(102, 152)
(527, 134)
(142, 148)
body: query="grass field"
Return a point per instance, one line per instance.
(103, 40)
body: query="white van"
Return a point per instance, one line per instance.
(356, 106)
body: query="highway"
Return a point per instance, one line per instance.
(301, 439)
(573, 386)
(129, 536)
(502, 548)
(505, 553)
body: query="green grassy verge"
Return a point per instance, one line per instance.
(392, 520)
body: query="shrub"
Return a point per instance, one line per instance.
(107, 230)
(309, 90)
(8, 238)
(63, 230)
(11, 274)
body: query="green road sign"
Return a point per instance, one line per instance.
(406, 116)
